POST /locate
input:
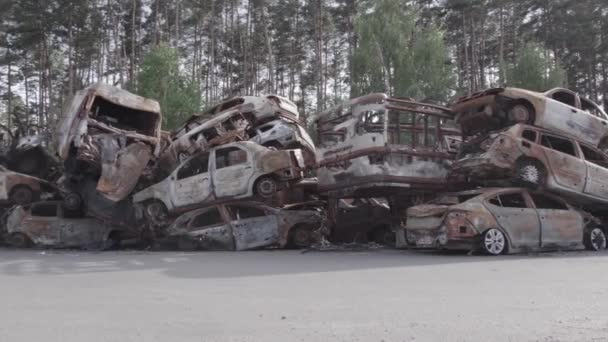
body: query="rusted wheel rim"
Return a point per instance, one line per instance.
(156, 210)
(18, 240)
(22, 196)
(519, 113)
(494, 241)
(598, 239)
(266, 187)
(301, 238)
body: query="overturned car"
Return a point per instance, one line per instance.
(498, 221)
(109, 135)
(232, 171)
(245, 225)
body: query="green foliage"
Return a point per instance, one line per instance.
(534, 70)
(160, 78)
(398, 56)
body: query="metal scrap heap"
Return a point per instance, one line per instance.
(502, 170)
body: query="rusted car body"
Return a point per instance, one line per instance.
(224, 128)
(17, 188)
(49, 224)
(500, 220)
(246, 225)
(559, 110)
(232, 171)
(262, 109)
(375, 145)
(114, 132)
(540, 158)
(31, 156)
(284, 134)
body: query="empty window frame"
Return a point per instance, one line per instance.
(230, 156)
(545, 202)
(211, 217)
(593, 156)
(194, 166)
(558, 144)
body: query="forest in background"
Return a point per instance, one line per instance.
(189, 54)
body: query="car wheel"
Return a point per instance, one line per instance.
(301, 237)
(266, 187)
(520, 113)
(595, 239)
(72, 201)
(19, 240)
(494, 242)
(21, 195)
(530, 173)
(156, 211)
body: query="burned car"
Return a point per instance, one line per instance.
(31, 156)
(376, 145)
(227, 127)
(261, 108)
(559, 110)
(232, 171)
(539, 158)
(17, 188)
(110, 135)
(500, 220)
(50, 224)
(361, 220)
(284, 134)
(245, 225)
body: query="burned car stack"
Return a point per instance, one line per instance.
(500, 171)
(126, 180)
(546, 152)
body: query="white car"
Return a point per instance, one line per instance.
(232, 171)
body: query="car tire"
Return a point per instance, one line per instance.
(494, 242)
(266, 187)
(21, 195)
(156, 211)
(72, 201)
(530, 173)
(19, 240)
(520, 113)
(301, 236)
(594, 239)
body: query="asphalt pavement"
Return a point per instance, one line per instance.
(275, 295)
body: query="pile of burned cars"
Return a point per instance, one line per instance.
(499, 171)
(125, 180)
(545, 153)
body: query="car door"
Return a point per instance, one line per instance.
(561, 111)
(517, 218)
(560, 226)
(233, 171)
(77, 231)
(597, 172)
(568, 170)
(210, 230)
(191, 183)
(253, 226)
(42, 225)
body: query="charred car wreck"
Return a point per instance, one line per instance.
(377, 145)
(109, 135)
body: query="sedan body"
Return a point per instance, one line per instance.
(232, 171)
(49, 224)
(245, 225)
(499, 221)
(539, 158)
(559, 110)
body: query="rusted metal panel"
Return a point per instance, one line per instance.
(120, 171)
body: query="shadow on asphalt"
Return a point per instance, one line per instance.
(207, 265)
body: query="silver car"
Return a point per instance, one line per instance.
(232, 171)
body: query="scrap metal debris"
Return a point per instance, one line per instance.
(384, 171)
